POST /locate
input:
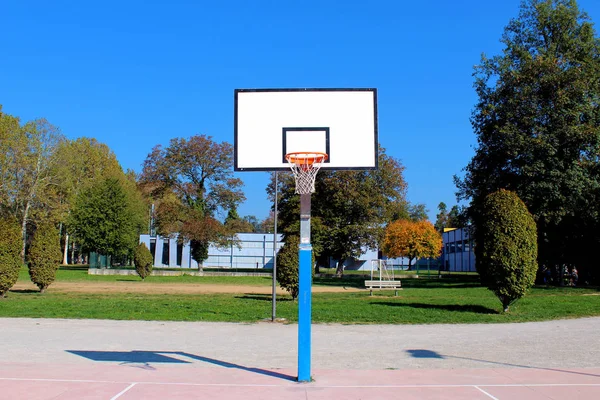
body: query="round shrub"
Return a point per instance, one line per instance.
(10, 259)
(506, 247)
(142, 258)
(44, 256)
(287, 266)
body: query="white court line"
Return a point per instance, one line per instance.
(315, 385)
(122, 392)
(486, 393)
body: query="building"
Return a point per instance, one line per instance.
(254, 250)
(457, 250)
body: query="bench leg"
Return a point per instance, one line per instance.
(370, 292)
(396, 292)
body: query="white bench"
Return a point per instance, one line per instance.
(383, 285)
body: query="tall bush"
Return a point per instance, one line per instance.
(287, 265)
(142, 258)
(10, 259)
(506, 247)
(44, 256)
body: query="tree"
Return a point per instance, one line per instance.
(10, 260)
(192, 181)
(417, 212)
(142, 258)
(506, 250)
(441, 219)
(105, 221)
(44, 256)
(404, 238)
(29, 153)
(537, 123)
(82, 163)
(349, 210)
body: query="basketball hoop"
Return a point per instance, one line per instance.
(305, 166)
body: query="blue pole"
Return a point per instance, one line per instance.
(304, 311)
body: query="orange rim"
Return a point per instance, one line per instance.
(306, 157)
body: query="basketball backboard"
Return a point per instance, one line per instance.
(270, 123)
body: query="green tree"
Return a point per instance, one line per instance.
(349, 209)
(417, 212)
(441, 219)
(142, 258)
(10, 260)
(191, 181)
(44, 256)
(82, 163)
(537, 122)
(506, 250)
(104, 219)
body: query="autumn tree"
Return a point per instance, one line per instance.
(191, 181)
(537, 121)
(413, 240)
(28, 155)
(349, 209)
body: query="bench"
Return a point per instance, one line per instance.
(383, 285)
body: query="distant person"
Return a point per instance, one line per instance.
(574, 276)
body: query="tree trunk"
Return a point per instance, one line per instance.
(65, 255)
(72, 252)
(339, 272)
(24, 230)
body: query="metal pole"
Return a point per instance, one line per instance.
(274, 310)
(304, 291)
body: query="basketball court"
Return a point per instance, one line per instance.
(97, 359)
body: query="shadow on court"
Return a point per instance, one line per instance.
(168, 357)
(424, 353)
(473, 308)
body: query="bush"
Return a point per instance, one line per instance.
(10, 258)
(287, 266)
(44, 256)
(142, 258)
(506, 247)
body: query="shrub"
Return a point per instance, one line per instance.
(10, 258)
(142, 258)
(506, 247)
(287, 266)
(44, 256)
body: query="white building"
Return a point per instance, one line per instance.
(255, 250)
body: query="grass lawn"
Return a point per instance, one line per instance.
(456, 299)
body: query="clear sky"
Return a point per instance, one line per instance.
(134, 74)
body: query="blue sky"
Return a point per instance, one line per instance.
(134, 74)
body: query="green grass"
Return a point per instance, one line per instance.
(458, 299)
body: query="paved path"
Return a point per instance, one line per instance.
(58, 356)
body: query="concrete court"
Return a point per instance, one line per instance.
(74, 359)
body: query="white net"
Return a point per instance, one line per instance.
(305, 166)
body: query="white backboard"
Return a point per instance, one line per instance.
(269, 123)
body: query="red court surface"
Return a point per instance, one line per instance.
(34, 381)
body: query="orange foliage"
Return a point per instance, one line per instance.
(404, 238)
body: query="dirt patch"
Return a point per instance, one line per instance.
(167, 288)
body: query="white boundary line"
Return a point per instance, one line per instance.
(122, 392)
(486, 393)
(315, 385)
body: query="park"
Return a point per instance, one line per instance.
(260, 231)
